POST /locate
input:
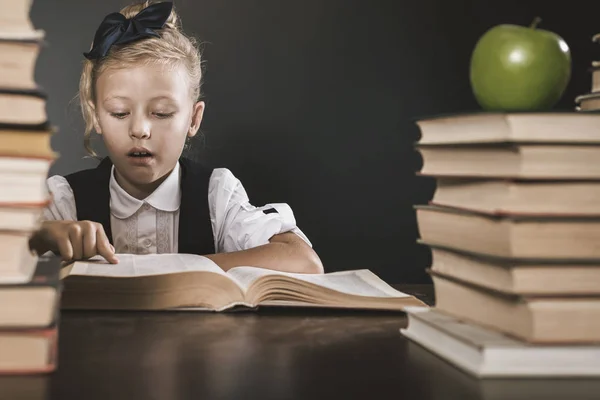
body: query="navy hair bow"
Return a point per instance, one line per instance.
(116, 29)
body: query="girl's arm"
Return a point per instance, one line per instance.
(284, 252)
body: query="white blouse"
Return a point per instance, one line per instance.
(151, 225)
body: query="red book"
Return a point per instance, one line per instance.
(28, 351)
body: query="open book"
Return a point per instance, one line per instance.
(176, 281)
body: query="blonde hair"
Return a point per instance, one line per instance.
(172, 48)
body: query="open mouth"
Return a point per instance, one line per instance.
(139, 154)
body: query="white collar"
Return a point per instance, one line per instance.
(166, 197)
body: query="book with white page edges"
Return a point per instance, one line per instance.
(486, 353)
(186, 281)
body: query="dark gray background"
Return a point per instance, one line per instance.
(313, 102)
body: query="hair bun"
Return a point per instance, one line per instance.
(173, 22)
(132, 10)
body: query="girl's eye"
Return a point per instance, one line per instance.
(164, 115)
(119, 115)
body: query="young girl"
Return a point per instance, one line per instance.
(139, 90)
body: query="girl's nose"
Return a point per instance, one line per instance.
(140, 129)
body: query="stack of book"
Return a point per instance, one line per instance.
(591, 101)
(29, 286)
(514, 231)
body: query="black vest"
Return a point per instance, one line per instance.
(92, 200)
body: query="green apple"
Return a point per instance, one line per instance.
(519, 68)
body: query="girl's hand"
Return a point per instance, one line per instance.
(74, 240)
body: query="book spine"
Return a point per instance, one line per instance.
(44, 126)
(38, 92)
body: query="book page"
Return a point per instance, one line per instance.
(475, 335)
(131, 265)
(358, 282)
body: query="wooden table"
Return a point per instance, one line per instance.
(270, 354)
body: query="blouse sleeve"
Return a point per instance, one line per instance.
(239, 225)
(62, 204)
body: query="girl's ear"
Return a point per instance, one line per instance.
(95, 118)
(197, 114)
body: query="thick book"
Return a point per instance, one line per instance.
(511, 236)
(20, 106)
(486, 353)
(28, 351)
(32, 304)
(15, 20)
(17, 261)
(186, 281)
(510, 127)
(23, 217)
(18, 62)
(513, 161)
(588, 101)
(534, 319)
(26, 142)
(506, 196)
(23, 180)
(445, 380)
(526, 277)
